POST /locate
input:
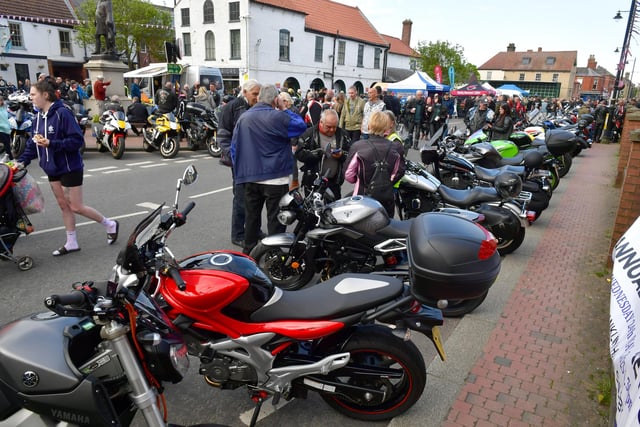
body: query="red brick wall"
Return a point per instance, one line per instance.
(628, 176)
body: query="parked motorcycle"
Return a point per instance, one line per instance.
(162, 135)
(111, 132)
(419, 191)
(351, 235)
(200, 125)
(20, 121)
(328, 339)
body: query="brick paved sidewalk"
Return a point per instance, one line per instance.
(550, 346)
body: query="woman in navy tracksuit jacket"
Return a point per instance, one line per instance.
(56, 141)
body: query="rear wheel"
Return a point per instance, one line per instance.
(564, 164)
(508, 244)
(101, 147)
(169, 147)
(273, 261)
(458, 308)
(377, 348)
(117, 146)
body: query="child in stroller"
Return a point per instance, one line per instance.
(13, 220)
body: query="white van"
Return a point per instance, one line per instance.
(204, 76)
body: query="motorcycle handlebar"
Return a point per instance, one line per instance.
(188, 208)
(174, 273)
(72, 298)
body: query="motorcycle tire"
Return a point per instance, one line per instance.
(169, 147)
(271, 260)
(508, 245)
(377, 347)
(147, 140)
(564, 164)
(101, 148)
(213, 147)
(18, 144)
(554, 179)
(458, 308)
(117, 146)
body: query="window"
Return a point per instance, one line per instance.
(209, 46)
(489, 75)
(284, 45)
(360, 55)
(143, 48)
(538, 77)
(207, 12)
(550, 60)
(319, 43)
(234, 36)
(555, 77)
(376, 57)
(342, 48)
(595, 84)
(413, 64)
(234, 11)
(65, 43)
(16, 34)
(526, 60)
(521, 76)
(184, 15)
(186, 44)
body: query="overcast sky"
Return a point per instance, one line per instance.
(484, 28)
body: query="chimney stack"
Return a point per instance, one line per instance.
(591, 62)
(406, 31)
(511, 47)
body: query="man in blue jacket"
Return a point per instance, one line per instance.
(262, 158)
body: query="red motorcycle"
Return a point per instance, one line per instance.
(333, 339)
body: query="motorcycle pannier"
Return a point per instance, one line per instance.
(444, 258)
(560, 141)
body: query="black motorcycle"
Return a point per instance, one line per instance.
(350, 235)
(200, 126)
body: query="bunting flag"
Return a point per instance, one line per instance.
(70, 22)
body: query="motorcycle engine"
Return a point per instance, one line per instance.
(227, 373)
(348, 260)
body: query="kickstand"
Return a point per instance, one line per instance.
(256, 412)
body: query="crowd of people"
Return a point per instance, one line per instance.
(274, 140)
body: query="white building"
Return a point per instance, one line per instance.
(38, 37)
(297, 44)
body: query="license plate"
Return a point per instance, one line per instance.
(437, 340)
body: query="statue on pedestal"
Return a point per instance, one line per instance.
(105, 27)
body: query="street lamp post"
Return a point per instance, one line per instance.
(625, 47)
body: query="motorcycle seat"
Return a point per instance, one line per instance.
(340, 296)
(489, 175)
(396, 228)
(466, 198)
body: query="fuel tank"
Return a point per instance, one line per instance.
(219, 280)
(361, 213)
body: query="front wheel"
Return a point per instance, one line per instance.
(212, 145)
(18, 144)
(288, 276)
(564, 164)
(117, 146)
(147, 140)
(399, 385)
(169, 147)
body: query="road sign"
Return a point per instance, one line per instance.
(174, 69)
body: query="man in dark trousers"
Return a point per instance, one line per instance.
(231, 112)
(262, 159)
(136, 113)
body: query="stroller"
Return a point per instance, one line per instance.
(13, 220)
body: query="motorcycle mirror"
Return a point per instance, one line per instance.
(190, 175)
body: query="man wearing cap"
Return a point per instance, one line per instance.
(100, 92)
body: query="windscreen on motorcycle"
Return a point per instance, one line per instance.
(129, 257)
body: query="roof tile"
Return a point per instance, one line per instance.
(37, 10)
(513, 61)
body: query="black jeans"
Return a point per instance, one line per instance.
(354, 135)
(5, 138)
(256, 196)
(237, 212)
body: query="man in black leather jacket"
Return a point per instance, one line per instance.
(323, 148)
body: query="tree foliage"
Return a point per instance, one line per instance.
(445, 54)
(138, 24)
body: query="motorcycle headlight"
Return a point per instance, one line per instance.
(286, 217)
